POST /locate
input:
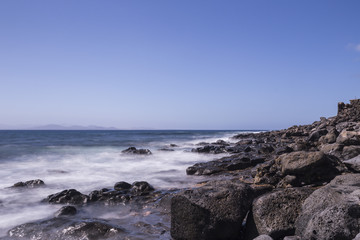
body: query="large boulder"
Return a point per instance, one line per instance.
(275, 213)
(309, 167)
(332, 212)
(348, 138)
(213, 211)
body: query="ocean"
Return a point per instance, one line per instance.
(89, 160)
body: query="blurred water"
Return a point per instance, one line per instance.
(89, 160)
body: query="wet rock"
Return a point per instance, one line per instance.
(30, 184)
(213, 211)
(221, 142)
(310, 167)
(70, 196)
(66, 211)
(173, 145)
(214, 149)
(123, 192)
(141, 188)
(332, 212)
(166, 149)
(64, 228)
(275, 213)
(122, 186)
(232, 163)
(134, 150)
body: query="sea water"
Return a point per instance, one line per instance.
(90, 160)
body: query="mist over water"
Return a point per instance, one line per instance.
(90, 160)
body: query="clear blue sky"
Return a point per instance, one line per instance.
(182, 64)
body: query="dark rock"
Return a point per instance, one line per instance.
(173, 145)
(122, 186)
(134, 150)
(283, 149)
(213, 211)
(332, 212)
(66, 211)
(275, 213)
(141, 188)
(63, 228)
(31, 183)
(214, 149)
(221, 142)
(232, 163)
(70, 196)
(166, 149)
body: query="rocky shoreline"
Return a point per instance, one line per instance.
(298, 183)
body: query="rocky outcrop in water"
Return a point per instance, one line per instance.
(30, 183)
(134, 150)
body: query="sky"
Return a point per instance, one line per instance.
(181, 64)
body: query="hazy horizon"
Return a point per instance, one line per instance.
(177, 64)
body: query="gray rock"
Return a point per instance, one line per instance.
(292, 238)
(333, 149)
(275, 213)
(348, 138)
(263, 237)
(353, 163)
(309, 167)
(357, 237)
(349, 152)
(332, 212)
(213, 211)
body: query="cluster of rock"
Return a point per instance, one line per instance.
(302, 183)
(66, 224)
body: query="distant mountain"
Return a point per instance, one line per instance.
(74, 127)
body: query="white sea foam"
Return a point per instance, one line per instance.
(87, 169)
